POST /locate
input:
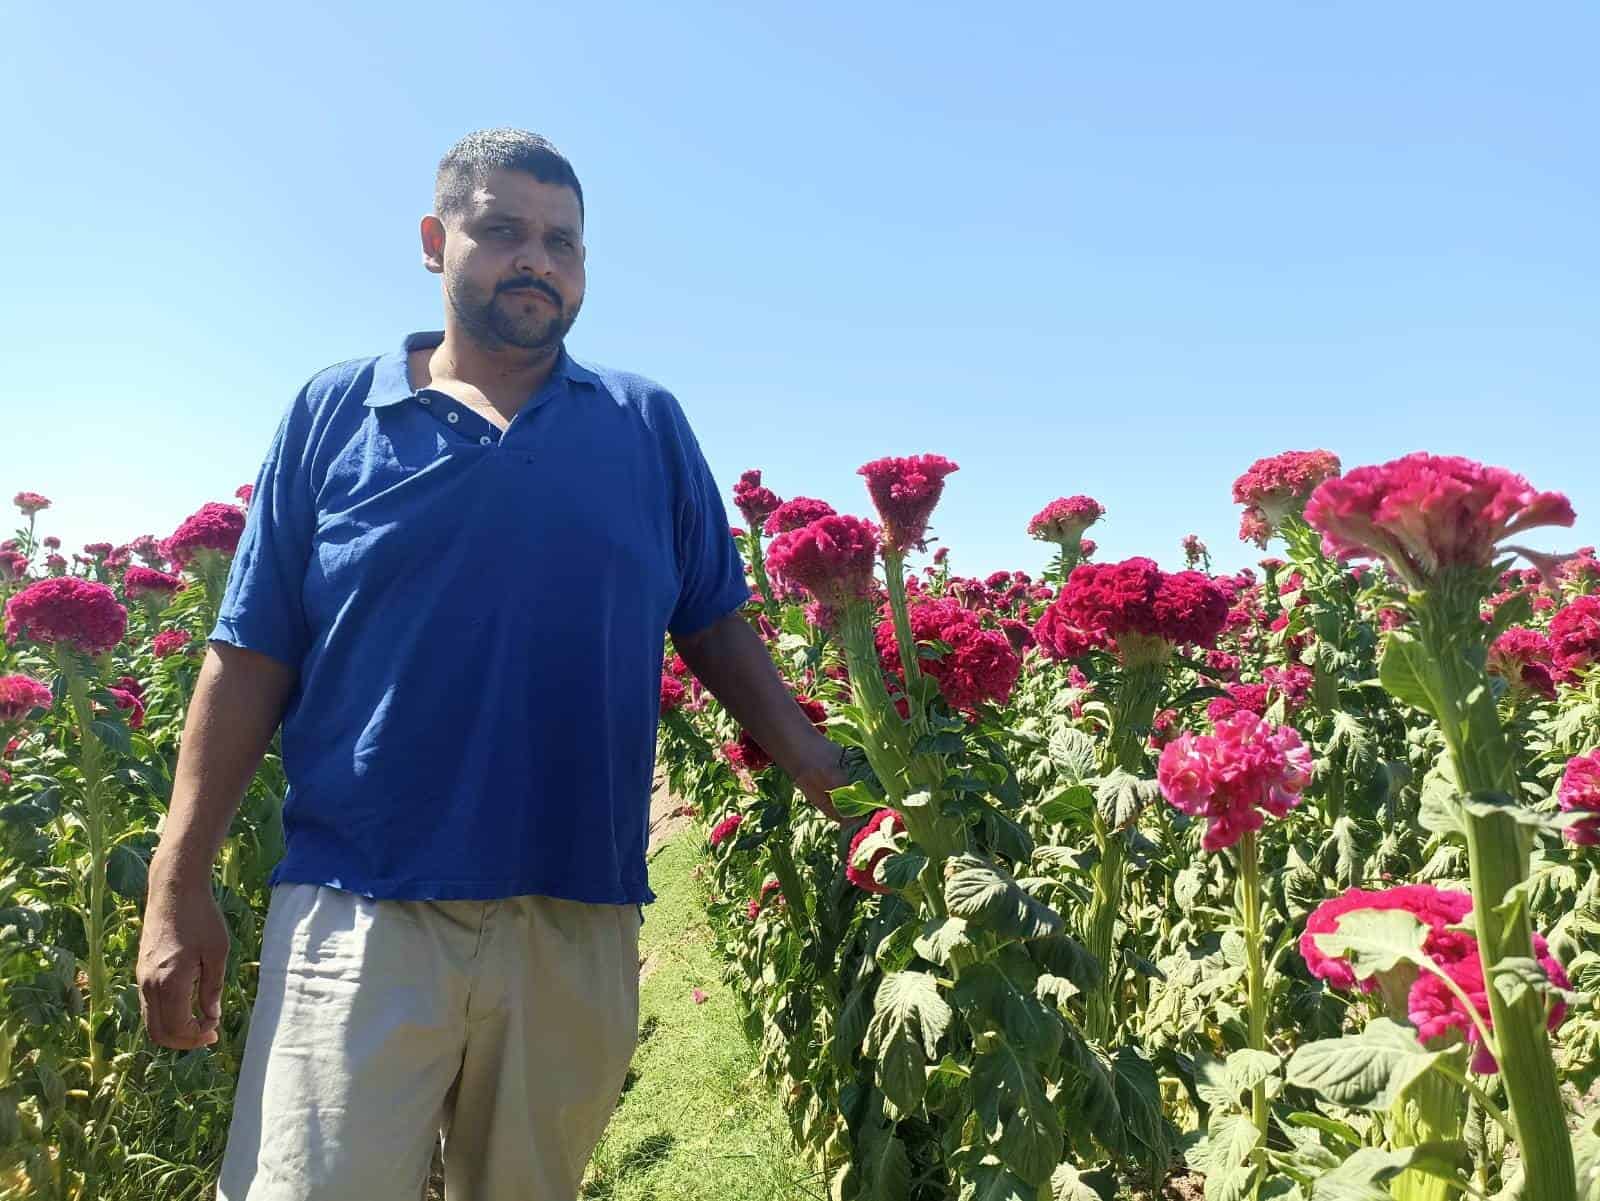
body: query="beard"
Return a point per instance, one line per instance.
(528, 318)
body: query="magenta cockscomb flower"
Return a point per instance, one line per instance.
(13, 566)
(30, 503)
(1063, 520)
(1232, 776)
(244, 492)
(1579, 792)
(861, 868)
(80, 613)
(832, 558)
(21, 695)
(1240, 698)
(132, 703)
(905, 491)
(672, 693)
(51, 543)
(169, 642)
(97, 550)
(1276, 487)
(754, 501)
(1424, 513)
(1575, 636)
(1194, 551)
(213, 527)
(1133, 607)
(746, 753)
(1523, 658)
(148, 548)
(1436, 908)
(980, 667)
(141, 582)
(796, 512)
(1293, 683)
(725, 829)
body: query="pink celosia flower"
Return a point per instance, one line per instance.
(1580, 793)
(905, 491)
(672, 693)
(1063, 521)
(754, 908)
(1522, 657)
(97, 550)
(1276, 487)
(214, 527)
(1293, 683)
(865, 875)
(980, 666)
(82, 613)
(1423, 513)
(746, 753)
(13, 566)
(754, 501)
(135, 706)
(55, 564)
(1225, 665)
(52, 543)
(1575, 636)
(1231, 776)
(1241, 698)
(148, 548)
(30, 503)
(244, 492)
(157, 585)
(796, 512)
(1436, 908)
(21, 695)
(1194, 551)
(1087, 547)
(169, 642)
(1164, 728)
(832, 558)
(941, 554)
(1134, 607)
(724, 829)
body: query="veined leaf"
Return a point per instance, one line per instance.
(990, 1181)
(1248, 1068)
(909, 1017)
(945, 940)
(1370, 1070)
(1073, 754)
(1366, 1174)
(1018, 1117)
(1067, 1185)
(885, 1166)
(988, 897)
(1224, 1155)
(1405, 670)
(1376, 940)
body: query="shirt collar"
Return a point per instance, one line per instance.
(391, 379)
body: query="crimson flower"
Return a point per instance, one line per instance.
(1231, 776)
(832, 558)
(1133, 607)
(21, 695)
(1063, 520)
(980, 666)
(1437, 1012)
(1575, 635)
(158, 585)
(13, 566)
(30, 503)
(746, 753)
(725, 828)
(1423, 513)
(1277, 487)
(1579, 792)
(905, 491)
(213, 526)
(1240, 698)
(864, 875)
(754, 501)
(169, 642)
(244, 492)
(82, 613)
(1523, 658)
(796, 512)
(127, 700)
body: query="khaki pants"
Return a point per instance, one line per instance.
(508, 1025)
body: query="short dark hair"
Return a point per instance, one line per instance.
(474, 156)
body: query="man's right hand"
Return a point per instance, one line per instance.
(184, 944)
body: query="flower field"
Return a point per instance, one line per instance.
(1275, 885)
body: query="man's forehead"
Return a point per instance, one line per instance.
(519, 193)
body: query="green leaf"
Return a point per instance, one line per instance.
(989, 898)
(1224, 1155)
(1376, 940)
(1063, 955)
(126, 873)
(1139, 1096)
(1067, 1185)
(909, 1017)
(1121, 797)
(1073, 754)
(851, 1026)
(901, 869)
(1248, 1068)
(1017, 1116)
(990, 1181)
(1019, 1015)
(1056, 990)
(114, 735)
(855, 800)
(944, 940)
(885, 1166)
(1370, 1070)
(1405, 670)
(1215, 1086)
(1367, 1173)
(1067, 804)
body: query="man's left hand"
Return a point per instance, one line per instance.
(823, 772)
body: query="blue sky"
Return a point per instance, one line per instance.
(1123, 250)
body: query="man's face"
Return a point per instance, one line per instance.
(512, 262)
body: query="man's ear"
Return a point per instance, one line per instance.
(433, 244)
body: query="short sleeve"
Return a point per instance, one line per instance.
(711, 569)
(263, 607)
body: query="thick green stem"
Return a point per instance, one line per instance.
(91, 765)
(758, 567)
(894, 572)
(1498, 852)
(1256, 985)
(1430, 1111)
(793, 892)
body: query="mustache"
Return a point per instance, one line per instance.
(535, 285)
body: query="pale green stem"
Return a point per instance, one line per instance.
(894, 572)
(91, 765)
(1250, 888)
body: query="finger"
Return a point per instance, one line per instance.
(149, 1003)
(177, 1009)
(212, 970)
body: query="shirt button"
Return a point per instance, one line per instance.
(485, 440)
(452, 418)
(427, 400)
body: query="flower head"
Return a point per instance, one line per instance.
(13, 566)
(1436, 908)
(1276, 487)
(213, 526)
(81, 613)
(746, 753)
(1523, 658)
(754, 501)
(97, 550)
(244, 492)
(832, 558)
(980, 666)
(672, 693)
(1575, 636)
(159, 586)
(1437, 1012)
(905, 490)
(1579, 792)
(725, 828)
(132, 702)
(30, 503)
(861, 868)
(1423, 513)
(169, 642)
(1194, 551)
(1240, 698)
(21, 695)
(1063, 520)
(1231, 776)
(796, 512)
(1133, 607)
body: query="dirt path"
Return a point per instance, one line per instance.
(663, 824)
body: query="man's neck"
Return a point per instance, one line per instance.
(506, 378)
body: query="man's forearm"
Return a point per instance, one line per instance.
(731, 660)
(237, 703)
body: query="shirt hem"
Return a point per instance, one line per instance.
(462, 890)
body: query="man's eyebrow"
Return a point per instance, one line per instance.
(566, 231)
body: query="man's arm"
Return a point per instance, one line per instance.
(731, 660)
(237, 704)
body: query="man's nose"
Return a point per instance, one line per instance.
(533, 259)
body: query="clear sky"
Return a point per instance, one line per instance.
(1114, 249)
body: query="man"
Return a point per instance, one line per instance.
(460, 563)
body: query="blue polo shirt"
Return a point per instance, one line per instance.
(477, 619)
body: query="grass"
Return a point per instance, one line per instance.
(697, 1122)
